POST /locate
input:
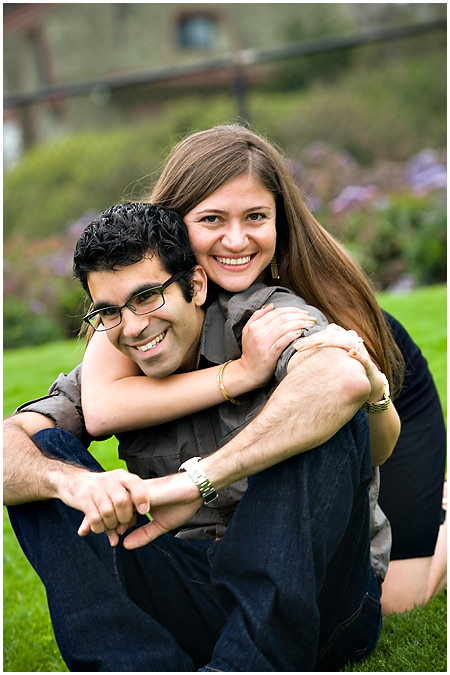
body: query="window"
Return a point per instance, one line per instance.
(197, 31)
(37, 71)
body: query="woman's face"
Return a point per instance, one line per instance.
(233, 234)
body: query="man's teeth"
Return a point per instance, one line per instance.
(234, 261)
(153, 343)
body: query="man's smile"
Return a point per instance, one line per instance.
(152, 344)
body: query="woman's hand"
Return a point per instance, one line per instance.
(264, 337)
(336, 336)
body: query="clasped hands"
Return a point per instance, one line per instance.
(111, 500)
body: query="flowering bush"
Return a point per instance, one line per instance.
(391, 217)
(42, 302)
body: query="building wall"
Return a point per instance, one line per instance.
(53, 43)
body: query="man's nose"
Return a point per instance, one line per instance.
(235, 237)
(133, 324)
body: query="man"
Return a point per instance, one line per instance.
(289, 585)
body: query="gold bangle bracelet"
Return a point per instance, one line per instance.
(220, 384)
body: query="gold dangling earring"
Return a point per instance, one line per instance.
(274, 268)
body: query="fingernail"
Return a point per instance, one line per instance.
(269, 305)
(142, 509)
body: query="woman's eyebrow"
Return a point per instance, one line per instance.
(199, 213)
(258, 208)
(251, 208)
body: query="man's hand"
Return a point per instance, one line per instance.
(174, 500)
(385, 427)
(336, 336)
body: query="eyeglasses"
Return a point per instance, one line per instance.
(145, 302)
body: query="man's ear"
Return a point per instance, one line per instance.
(199, 285)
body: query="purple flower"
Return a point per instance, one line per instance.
(36, 306)
(353, 196)
(425, 173)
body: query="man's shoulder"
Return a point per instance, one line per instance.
(253, 298)
(236, 307)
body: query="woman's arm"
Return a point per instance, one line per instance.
(384, 426)
(116, 397)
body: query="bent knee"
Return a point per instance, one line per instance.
(405, 586)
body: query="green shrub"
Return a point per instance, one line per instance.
(396, 235)
(385, 111)
(22, 328)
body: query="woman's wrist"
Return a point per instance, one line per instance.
(376, 405)
(378, 391)
(236, 379)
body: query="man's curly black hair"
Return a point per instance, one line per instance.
(126, 233)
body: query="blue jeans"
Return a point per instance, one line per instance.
(288, 588)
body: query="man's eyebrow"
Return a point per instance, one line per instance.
(139, 289)
(101, 305)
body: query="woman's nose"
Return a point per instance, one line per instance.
(235, 237)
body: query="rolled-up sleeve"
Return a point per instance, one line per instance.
(62, 404)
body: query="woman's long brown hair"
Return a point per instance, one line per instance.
(311, 262)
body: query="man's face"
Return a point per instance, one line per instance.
(165, 340)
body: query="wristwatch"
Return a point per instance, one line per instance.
(193, 468)
(379, 406)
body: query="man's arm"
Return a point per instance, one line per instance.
(22, 461)
(106, 498)
(321, 392)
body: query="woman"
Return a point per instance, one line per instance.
(243, 211)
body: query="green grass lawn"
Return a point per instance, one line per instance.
(411, 642)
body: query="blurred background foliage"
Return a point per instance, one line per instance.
(363, 128)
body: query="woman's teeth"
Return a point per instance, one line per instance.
(153, 343)
(234, 261)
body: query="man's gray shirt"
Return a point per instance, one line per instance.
(159, 450)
